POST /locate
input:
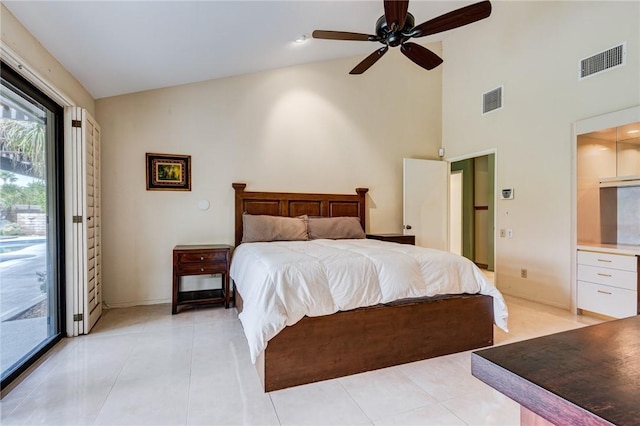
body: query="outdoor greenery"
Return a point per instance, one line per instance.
(23, 143)
(34, 194)
(11, 195)
(13, 230)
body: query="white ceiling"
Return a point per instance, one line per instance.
(117, 47)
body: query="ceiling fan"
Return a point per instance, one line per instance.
(397, 26)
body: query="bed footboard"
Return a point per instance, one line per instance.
(321, 348)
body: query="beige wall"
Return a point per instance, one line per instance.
(533, 49)
(18, 39)
(309, 128)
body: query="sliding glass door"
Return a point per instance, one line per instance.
(31, 221)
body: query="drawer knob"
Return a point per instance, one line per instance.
(201, 257)
(201, 269)
(604, 260)
(604, 292)
(604, 275)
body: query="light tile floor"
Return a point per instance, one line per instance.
(143, 365)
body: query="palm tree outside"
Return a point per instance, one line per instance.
(23, 153)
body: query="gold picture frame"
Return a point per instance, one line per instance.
(168, 172)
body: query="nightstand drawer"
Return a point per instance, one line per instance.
(200, 268)
(203, 257)
(611, 301)
(606, 276)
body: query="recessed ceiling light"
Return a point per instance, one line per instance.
(631, 132)
(301, 39)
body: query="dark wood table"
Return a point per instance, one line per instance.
(587, 376)
(201, 259)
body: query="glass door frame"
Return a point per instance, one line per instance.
(55, 219)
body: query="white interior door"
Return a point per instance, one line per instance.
(426, 202)
(82, 142)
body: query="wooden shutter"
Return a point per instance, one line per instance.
(84, 254)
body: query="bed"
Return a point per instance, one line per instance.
(378, 335)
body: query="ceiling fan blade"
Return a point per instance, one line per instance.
(457, 18)
(369, 60)
(396, 11)
(342, 35)
(421, 55)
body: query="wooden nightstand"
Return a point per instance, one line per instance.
(203, 259)
(394, 238)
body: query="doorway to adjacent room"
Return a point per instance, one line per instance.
(472, 209)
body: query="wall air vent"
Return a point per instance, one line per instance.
(603, 61)
(492, 100)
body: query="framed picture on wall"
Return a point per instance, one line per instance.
(168, 172)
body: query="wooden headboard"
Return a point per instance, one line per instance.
(295, 204)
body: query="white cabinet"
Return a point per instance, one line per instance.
(607, 283)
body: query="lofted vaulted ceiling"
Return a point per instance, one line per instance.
(118, 47)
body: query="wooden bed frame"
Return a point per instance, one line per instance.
(364, 339)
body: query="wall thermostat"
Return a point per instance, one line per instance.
(506, 194)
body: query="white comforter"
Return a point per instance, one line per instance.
(281, 282)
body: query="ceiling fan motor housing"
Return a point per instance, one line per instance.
(394, 38)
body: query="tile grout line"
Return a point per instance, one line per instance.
(354, 401)
(274, 408)
(188, 413)
(115, 380)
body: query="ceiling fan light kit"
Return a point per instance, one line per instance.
(397, 26)
(302, 39)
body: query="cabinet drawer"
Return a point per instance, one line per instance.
(611, 301)
(607, 276)
(202, 256)
(200, 268)
(608, 260)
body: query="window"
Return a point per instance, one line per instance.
(31, 224)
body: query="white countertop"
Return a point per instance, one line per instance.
(611, 248)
